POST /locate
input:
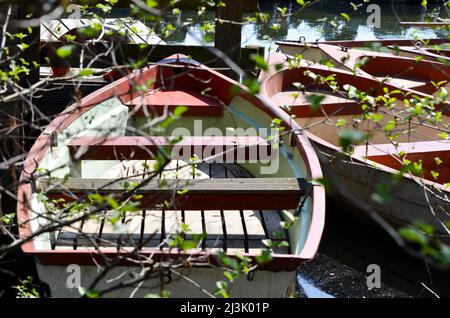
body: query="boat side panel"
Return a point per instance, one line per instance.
(354, 182)
(108, 118)
(265, 284)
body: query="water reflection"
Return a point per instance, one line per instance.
(310, 290)
(314, 24)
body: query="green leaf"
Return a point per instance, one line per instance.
(151, 295)
(428, 229)
(382, 194)
(151, 3)
(267, 242)
(86, 72)
(265, 257)
(390, 125)
(231, 275)
(85, 292)
(434, 174)
(323, 182)
(283, 244)
(260, 62)
(187, 245)
(345, 16)
(315, 101)
(8, 218)
(179, 110)
(221, 289)
(227, 261)
(252, 85)
(183, 191)
(301, 2)
(298, 86)
(341, 122)
(23, 46)
(65, 51)
(348, 138)
(413, 235)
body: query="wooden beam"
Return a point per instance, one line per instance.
(129, 53)
(249, 5)
(201, 194)
(367, 43)
(145, 148)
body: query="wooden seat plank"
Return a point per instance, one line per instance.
(158, 101)
(142, 148)
(200, 194)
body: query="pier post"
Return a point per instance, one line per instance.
(228, 32)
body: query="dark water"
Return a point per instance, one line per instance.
(314, 23)
(348, 246)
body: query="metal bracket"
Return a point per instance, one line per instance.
(418, 45)
(343, 48)
(53, 138)
(303, 185)
(251, 276)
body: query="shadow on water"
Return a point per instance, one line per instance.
(349, 246)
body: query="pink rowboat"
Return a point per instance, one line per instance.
(236, 205)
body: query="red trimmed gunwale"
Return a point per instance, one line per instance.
(221, 90)
(405, 72)
(428, 53)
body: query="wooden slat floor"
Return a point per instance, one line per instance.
(240, 230)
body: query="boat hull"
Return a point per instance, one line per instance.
(355, 182)
(263, 284)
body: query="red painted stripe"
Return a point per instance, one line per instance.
(145, 148)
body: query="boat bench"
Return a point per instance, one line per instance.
(187, 194)
(234, 148)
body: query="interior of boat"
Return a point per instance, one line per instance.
(129, 119)
(420, 136)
